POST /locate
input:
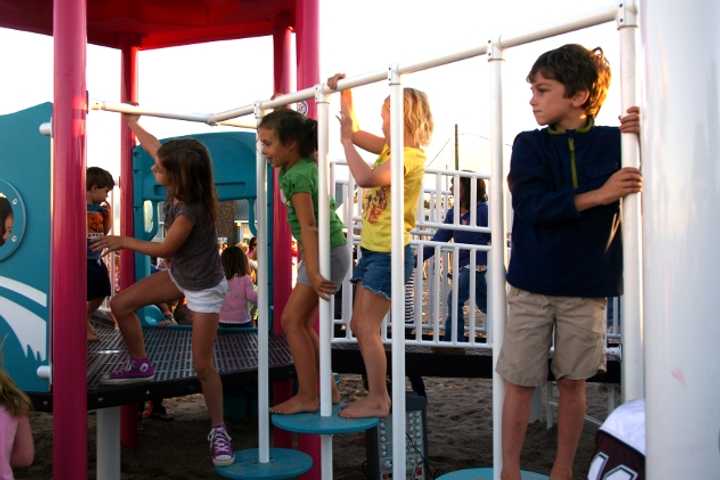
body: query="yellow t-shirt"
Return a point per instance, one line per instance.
(377, 209)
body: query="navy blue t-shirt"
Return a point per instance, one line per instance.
(557, 250)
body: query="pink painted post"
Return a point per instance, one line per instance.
(282, 276)
(69, 247)
(307, 20)
(307, 13)
(128, 93)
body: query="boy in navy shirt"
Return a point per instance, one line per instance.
(566, 183)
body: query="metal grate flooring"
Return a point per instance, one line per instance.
(170, 351)
(236, 358)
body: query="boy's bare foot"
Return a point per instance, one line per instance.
(366, 407)
(297, 404)
(336, 397)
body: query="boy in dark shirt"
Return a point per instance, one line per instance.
(566, 183)
(98, 184)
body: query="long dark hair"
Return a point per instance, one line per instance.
(5, 212)
(465, 183)
(234, 262)
(291, 126)
(189, 170)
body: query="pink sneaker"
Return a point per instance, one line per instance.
(138, 370)
(221, 450)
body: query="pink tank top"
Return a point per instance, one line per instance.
(8, 427)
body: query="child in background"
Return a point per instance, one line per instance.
(234, 312)
(566, 183)
(372, 274)
(98, 184)
(6, 220)
(16, 441)
(289, 141)
(463, 206)
(184, 168)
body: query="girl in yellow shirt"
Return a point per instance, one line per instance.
(372, 273)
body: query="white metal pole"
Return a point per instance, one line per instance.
(632, 344)
(397, 192)
(323, 213)
(497, 252)
(680, 140)
(263, 301)
(108, 443)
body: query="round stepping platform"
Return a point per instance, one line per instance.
(486, 474)
(313, 423)
(284, 463)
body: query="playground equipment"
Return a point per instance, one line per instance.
(678, 373)
(73, 24)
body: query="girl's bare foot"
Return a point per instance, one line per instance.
(297, 404)
(367, 407)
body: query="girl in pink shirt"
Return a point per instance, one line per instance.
(234, 312)
(16, 442)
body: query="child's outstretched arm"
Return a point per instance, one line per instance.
(303, 205)
(23, 451)
(175, 238)
(365, 140)
(146, 139)
(365, 175)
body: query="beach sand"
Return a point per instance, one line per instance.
(459, 427)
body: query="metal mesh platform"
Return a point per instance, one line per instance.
(170, 351)
(446, 361)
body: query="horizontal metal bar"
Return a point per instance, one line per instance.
(608, 14)
(451, 246)
(458, 227)
(189, 117)
(222, 118)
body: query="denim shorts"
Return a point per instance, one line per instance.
(373, 270)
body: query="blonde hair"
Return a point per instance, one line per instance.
(418, 117)
(12, 398)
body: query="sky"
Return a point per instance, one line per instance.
(356, 38)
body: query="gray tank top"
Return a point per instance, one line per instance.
(196, 264)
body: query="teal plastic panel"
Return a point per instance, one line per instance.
(25, 258)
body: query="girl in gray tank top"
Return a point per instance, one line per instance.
(184, 168)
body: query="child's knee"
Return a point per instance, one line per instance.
(290, 322)
(118, 306)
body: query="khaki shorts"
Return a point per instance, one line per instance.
(579, 325)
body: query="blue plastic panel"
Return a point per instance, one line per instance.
(25, 260)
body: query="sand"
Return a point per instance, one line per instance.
(459, 426)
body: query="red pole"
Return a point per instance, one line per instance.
(69, 244)
(128, 93)
(282, 276)
(307, 13)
